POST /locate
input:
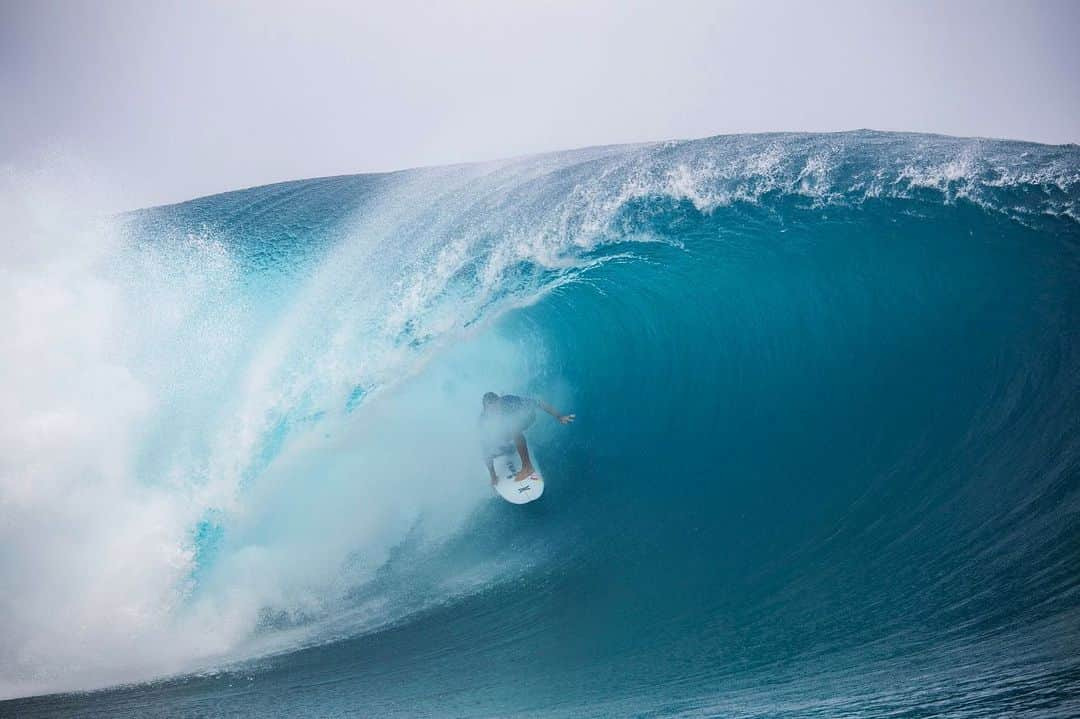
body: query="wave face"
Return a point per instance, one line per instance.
(827, 460)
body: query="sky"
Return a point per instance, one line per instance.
(167, 100)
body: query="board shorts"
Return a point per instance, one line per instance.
(515, 416)
(515, 425)
(521, 419)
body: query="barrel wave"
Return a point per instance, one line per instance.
(826, 462)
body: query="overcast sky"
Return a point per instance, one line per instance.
(171, 100)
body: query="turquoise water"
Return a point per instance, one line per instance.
(826, 462)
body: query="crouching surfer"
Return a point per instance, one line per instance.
(504, 421)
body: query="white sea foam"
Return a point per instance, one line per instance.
(139, 393)
(90, 557)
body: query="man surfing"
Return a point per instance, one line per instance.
(504, 421)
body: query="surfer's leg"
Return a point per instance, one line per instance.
(523, 452)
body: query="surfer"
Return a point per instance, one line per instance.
(504, 420)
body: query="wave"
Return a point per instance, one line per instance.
(826, 388)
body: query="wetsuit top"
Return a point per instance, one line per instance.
(511, 405)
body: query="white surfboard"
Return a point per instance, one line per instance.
(527, 490)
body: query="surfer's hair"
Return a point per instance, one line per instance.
(490, 398)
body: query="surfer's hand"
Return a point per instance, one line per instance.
(566, 419)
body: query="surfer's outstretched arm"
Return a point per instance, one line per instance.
(563, 418)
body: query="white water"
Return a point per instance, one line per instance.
(141, 387)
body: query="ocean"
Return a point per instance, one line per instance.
(826, 460)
